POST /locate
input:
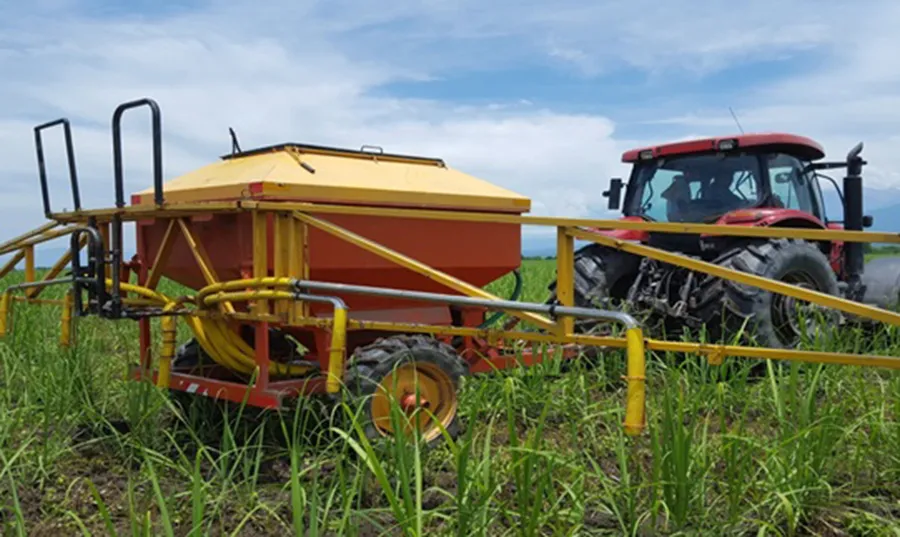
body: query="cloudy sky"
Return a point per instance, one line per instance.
(540, 97)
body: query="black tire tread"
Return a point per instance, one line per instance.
(598, 269)
(738, 303)
(370, 363)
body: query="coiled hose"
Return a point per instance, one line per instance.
(214, 336)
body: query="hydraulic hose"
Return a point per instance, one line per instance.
(214, 336)
(517, 292)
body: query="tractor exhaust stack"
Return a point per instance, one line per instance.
(853, 221)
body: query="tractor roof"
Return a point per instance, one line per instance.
(800, 146)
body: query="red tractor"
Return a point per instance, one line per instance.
(770, 180)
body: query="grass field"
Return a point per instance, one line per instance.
(797, 450)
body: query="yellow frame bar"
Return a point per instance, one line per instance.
(525, 220)
(11, 264)
(162, 256)
(55, 269)
(13, 244)
(260, 255)
(187, 209)
(823, 299)
(202, 259)
(711, 351)
(35, 240)
(565, 277)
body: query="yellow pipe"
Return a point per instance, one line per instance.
(565, 278)
(5, 305)
(635, 399)
(588, 223)
(707, 349)
(775, 286)
(65, 333)
(336, 352)
(11, 264)
(15, 242)
(167, 352)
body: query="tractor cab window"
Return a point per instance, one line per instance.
(791, 187)
(694, 188)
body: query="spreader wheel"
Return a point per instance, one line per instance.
(415, 378)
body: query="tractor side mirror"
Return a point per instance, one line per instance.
(614, 193)
(868, 220)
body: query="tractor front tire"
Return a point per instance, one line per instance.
(770, 319)
(421, 374)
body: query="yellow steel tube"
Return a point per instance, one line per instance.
(32, 241)
(202, 259)
(30, 273)
(636, 378)
(137, 212)
(55, 269)
(11, 264)
(660, 227)
(260, 253)
(133, 213)
(336, 352)
(65, 332)
(14, 243)
(38, 301)
(5, 306)
(162, 256)
(282, 255)
(763, 353)
(167, 352)
(418, 267)
(565, 277)
(823, 299)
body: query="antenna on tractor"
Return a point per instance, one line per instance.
(235, 146)
(733, 115)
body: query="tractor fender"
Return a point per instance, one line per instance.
(881, 277)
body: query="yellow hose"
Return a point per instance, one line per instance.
(214, 336)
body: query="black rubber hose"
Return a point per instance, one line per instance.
(517, 292)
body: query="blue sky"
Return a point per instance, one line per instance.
(536, 96)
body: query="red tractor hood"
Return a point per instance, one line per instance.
(741, 217)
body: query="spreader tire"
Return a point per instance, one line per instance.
(771, 319)
(410, 360)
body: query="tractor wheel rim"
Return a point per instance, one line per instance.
(788, 312)
(422, 393)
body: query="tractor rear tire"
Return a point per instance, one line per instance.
(412, 361)
(603, 276)
(771, 319)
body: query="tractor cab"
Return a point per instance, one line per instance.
(702, 181)
(748, 179)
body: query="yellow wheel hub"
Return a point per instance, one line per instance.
(424, 395)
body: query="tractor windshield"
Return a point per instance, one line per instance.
(693, 188)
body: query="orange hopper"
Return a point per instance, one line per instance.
(476, 252)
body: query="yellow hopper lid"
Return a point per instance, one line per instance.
(298, 172)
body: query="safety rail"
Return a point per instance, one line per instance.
(42, 166)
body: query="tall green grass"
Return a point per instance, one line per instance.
(793, 450)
